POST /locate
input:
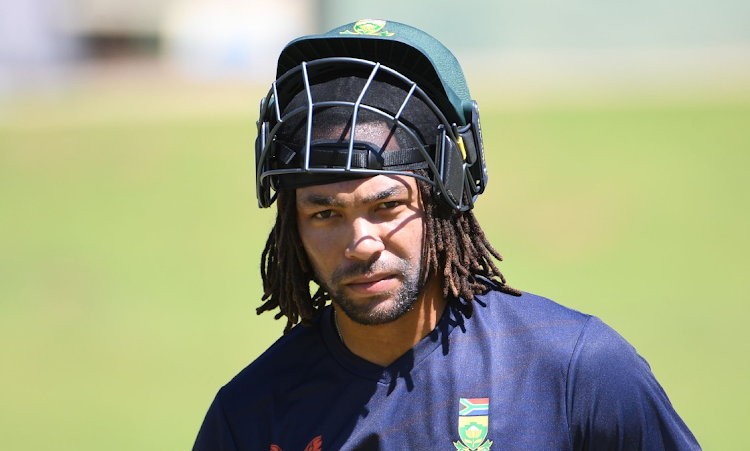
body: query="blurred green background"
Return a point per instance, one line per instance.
(130, 245)
(618, 143)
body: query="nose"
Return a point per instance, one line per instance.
(365, 241)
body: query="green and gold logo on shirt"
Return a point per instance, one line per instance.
(372, 27)
(473, 424)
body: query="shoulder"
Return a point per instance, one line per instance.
(614, 401)
(527, 331)
(261, 384)
(593, 344)
(526, 306)
(294, 351)
(535, 317)
(606, 372)
(241, 411)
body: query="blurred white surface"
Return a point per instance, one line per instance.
(219, 39)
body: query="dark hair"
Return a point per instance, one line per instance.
(455, 248)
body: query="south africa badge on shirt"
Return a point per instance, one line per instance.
(473, 424)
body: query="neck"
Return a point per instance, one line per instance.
(385, 343)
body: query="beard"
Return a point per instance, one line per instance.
(379, 309)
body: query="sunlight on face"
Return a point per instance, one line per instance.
(364, 240)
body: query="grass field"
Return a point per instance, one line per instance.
(130, 240)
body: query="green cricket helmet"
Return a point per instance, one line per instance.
(330, 86)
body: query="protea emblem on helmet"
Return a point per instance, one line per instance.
(373, 27)
(473, 425)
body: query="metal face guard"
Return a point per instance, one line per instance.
(452, 165)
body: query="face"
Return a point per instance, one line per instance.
(364, 240)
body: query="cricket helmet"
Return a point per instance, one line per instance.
(370, 71)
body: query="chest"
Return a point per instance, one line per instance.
(452, 404)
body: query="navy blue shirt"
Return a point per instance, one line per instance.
(522, 373)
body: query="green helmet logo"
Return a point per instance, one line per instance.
(372, 27)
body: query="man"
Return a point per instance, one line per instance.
(371, 147)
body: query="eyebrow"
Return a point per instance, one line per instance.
(319, 200)
(385, 194)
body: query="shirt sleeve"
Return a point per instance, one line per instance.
(215, 434)
(614, 401)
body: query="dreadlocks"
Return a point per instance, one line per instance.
(455, 248)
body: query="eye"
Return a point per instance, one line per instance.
(325, 214)
(389, 205)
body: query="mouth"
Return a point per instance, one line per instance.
(372, 284)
